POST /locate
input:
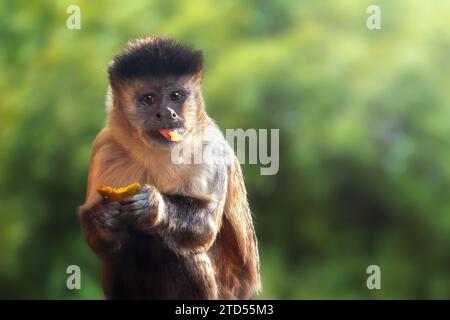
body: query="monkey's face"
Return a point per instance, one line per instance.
(160, 105)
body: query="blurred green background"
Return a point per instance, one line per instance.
(364, 136)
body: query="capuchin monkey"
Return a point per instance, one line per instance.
(188, 234)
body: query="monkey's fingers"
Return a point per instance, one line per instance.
(137, 197)
(106, 208)
(112, 208)
(133, 206)
(135, 214)
(106, 215)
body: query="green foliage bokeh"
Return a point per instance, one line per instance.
(364, 136)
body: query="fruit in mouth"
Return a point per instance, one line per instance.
(171, 135)
(118, 194)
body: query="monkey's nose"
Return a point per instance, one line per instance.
(167, 114)
(171, 113)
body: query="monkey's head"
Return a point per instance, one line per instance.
(156, 87)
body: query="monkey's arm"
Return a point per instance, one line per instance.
(190, 224)
(240, 236)
(101, 222)
(102, 227)
(187, 223)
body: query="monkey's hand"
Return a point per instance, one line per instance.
(102, 226)
(143, 210)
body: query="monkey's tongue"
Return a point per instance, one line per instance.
(165, 133)
(170, 134)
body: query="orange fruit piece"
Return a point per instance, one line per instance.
(175, 136)
(118, 194)
(171, 135)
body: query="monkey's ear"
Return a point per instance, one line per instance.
(114, 80)
(198, 78)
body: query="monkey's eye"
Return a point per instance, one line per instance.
(148, 99)
(176, 96)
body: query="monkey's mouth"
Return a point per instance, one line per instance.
(167, 134)
(171, 134)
